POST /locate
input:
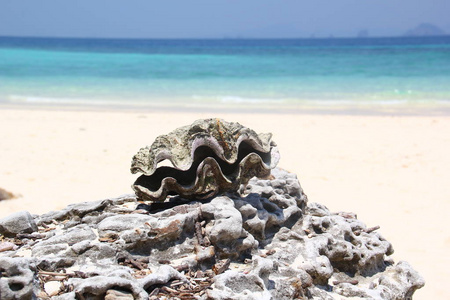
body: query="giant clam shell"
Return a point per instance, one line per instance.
(208, 157)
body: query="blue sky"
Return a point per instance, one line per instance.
(218, 18)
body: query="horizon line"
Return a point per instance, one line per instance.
(224, 37)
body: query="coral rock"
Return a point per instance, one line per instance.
(16, 278)
(267, 243)
(19, 222)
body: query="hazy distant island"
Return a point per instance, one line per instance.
(290, 31)
(363, 33)
(425, 29)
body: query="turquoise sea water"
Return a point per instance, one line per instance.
(234, 73)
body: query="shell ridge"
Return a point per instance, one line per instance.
(172, 184)
(224, 164)
(208, 157)
(147, 159)
(163, 155)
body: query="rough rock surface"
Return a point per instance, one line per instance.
(19, 222)
(267, 242)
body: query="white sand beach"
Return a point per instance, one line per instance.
(390, 170)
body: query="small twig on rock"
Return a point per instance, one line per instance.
(198, 274)
(107, 239)
(221, 266)
(164, 262)
(186, 296)
(200, 279)
(351, 281)
(55, 273)
(43, 225)
(176, 283)
(370, 229)
(154, 292)
(124, 258)
(135, 263)
(169, 290)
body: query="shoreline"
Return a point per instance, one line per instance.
(391, 170)
(319, 108)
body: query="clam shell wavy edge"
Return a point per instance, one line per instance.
(208, 157)
(209, 180)
(179, 146)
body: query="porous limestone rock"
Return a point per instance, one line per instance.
(224, 228)
(267, 242)
(19, 222)
(237, 285)
(17, 279)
